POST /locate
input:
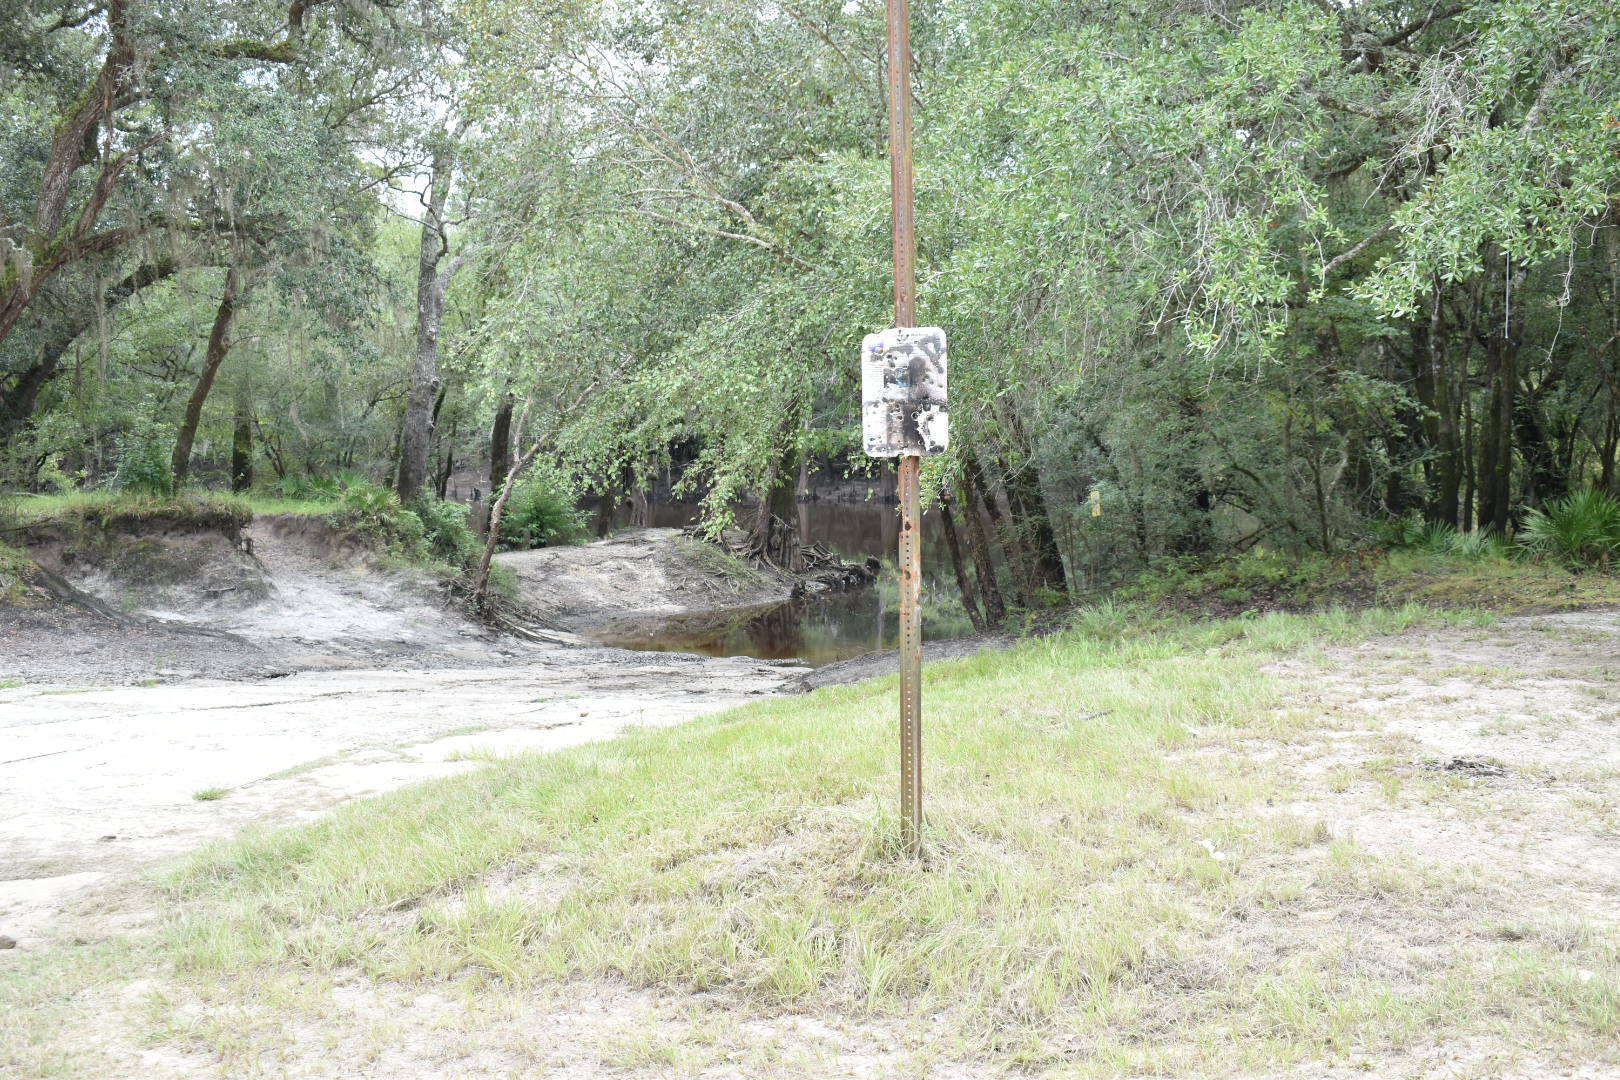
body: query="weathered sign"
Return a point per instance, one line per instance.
(903, 408)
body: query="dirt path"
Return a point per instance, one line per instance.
(99, 783)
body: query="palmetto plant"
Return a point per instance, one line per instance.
(1581, 528)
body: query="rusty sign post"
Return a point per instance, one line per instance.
(903, 414)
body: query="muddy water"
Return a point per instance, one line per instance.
(817, 629)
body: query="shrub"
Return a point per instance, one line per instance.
(329, 487)
(375, 511)
(142, 454)
(309, 488)
(1582, 528)
(1438, 538)
(446, 533)
(1478, 544)
(540, 512)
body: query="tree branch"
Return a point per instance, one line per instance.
(767, 245)
(1339, 260)
(1417, 26)
(1328, 101)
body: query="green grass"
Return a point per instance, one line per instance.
(1107, 887)
(209, 794)
(103, 505)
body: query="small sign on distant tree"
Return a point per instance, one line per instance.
(903, 409)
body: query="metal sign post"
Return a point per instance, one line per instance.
(910, 659)
(903, 415)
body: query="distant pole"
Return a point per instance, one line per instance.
(905, 314)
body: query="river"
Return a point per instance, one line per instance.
(820, 629)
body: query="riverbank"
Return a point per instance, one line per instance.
(1280, 846)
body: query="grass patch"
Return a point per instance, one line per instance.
(107, 502)
(210, 794)
(81, 511)
(1497, 584)
(1489, 579)
(1109, 887)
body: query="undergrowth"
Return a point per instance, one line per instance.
(1445, 569)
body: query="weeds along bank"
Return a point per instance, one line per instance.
(1565, 556)
(1133, 868)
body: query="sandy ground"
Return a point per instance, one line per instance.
(1496, 748)
(1493, 746)
(97, 783)
(636, 572)
(316, 674)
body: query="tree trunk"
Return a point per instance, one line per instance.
(500, 444)
(1470, 468)
(954, 546)
(640, 499)
(497, 510)
(480, 592)
(218, 345)
(442, 484)
(1500, 481)
(1002, 531)
(995, 608)
(607, 506)
(1607, 451)
(774, 536)
(242, 440)
(416, 436)
(1434, 386)
(1198, 538)
(17, 404)
(1034, 528)
(1502, 337)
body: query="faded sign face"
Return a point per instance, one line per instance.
(903, 409)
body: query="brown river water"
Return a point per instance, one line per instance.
(822, 629)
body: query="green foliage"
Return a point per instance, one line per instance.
(1211, 263)
(1579, 529)
(142, 462)
(1258, 569)
(541, 513)
(375, 512)
(1413, 533)
(446, 533)
(325, 487)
